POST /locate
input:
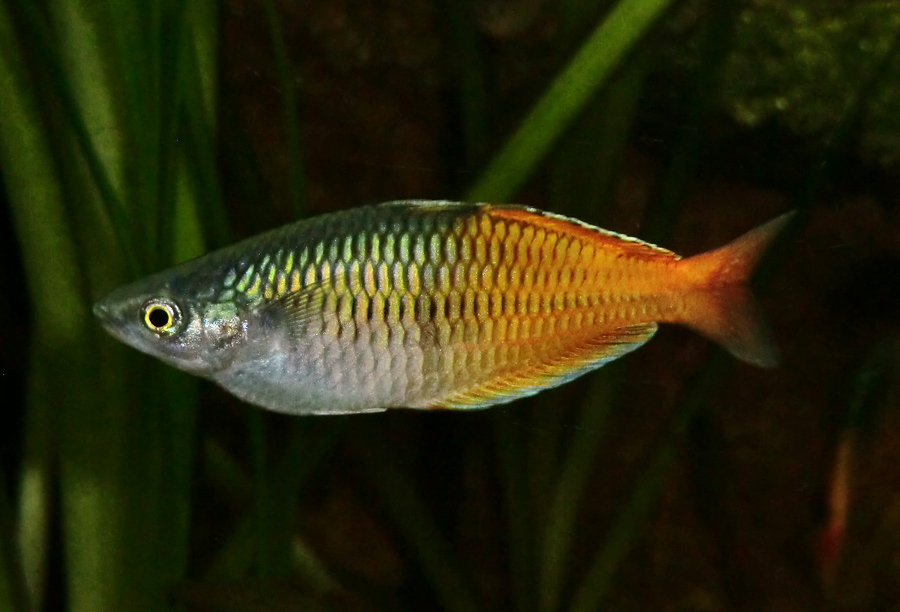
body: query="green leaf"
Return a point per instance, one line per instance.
(566, 97)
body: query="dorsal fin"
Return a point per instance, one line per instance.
(566, 225)
(540, 218)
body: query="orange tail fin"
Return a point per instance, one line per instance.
(721, 307)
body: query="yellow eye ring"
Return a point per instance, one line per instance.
(161, 317)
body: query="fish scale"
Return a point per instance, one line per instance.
(430, 304)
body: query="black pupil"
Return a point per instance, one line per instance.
(158, 317)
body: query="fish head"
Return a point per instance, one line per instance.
(154, 316)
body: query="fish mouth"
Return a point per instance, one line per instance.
(104, 311)
(101, 311)
(108, 312)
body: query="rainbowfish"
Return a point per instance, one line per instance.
(423, 304)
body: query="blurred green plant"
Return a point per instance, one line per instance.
(615, 36)
(96, 99)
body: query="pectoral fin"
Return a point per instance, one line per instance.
(295, 310)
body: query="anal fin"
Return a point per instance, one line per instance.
(556, 368)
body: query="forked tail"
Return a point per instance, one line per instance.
(721, 307)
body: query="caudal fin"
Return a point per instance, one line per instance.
(721, 307)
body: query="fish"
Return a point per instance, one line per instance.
(432, 304)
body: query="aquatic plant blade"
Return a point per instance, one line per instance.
(310, 444)
(125, 456)
(13, 592)
(567, 96)
(416, 525)
(25, 541)
(297, 184)
(573, 479)
(510, 458)
(596, 585)
(37, 211)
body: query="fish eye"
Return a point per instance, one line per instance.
(161, 317)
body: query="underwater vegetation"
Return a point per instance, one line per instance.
(136, 135)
